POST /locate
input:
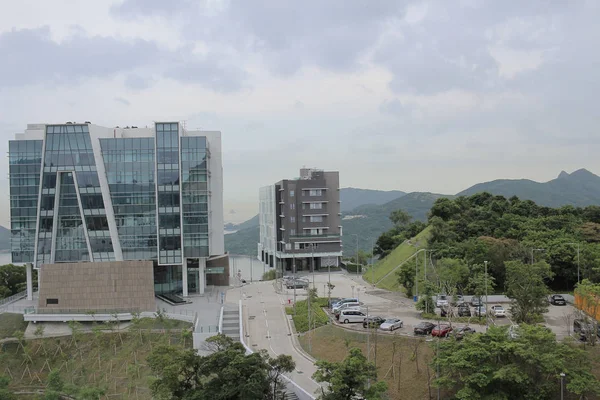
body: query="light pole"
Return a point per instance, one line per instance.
(486, 295)
(294, 279)
(573, 244)
(562, 386)
(355, 234)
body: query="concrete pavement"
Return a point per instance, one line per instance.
(266, 327)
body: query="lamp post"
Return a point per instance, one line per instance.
(573, 244)
(562, 386)
(294, 279)
(372, 263)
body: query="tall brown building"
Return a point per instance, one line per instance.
(300, 222)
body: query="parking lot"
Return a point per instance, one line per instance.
(387, 304)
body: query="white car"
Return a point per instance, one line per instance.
(442, 301)
(513, 331)
(498, 311)
(391, 324)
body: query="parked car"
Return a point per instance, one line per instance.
(445, 311)
(391, 324)
(584, 328)
(480, 311)
(373, 322)
(333, 301)
(346, 300)
(423, 328)
(498, 311)
(442, 301)
(457, 299)
(476, 301)
(352, 316)
(298, 284)
(557, 300)
(353, 308)
(461, 332)
(337, 309)
(464, 310)
(441, 330)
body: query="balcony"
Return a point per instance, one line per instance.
(322, 236)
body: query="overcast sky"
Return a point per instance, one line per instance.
(415, 95)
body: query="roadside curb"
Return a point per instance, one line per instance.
(294, 337)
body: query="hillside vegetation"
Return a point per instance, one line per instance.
(398, 256)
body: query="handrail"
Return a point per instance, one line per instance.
(15, 297)
(221, 320)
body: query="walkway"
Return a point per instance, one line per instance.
(266, 327)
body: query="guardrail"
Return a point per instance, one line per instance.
(14, 297)
(300, 392)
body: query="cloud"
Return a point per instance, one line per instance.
(36, 59)
(122, 101)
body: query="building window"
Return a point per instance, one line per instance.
(51, 301)
(316, 206)
(292, 206)
(316, 218)
(297, 246)
(291, 193)
(315, 192)
(288, 246)
(292, 219)
(292, 232)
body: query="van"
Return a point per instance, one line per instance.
(352, 316)
(345, 306)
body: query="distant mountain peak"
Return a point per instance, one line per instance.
(563, 174)
(584, 173)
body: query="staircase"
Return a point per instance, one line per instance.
(288, 394)
(231, 323)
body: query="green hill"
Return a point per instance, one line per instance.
(394, 259)
(581, 188)
(353, 197)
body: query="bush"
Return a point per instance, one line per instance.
(269, 275)
(353, 268)
(301, 317)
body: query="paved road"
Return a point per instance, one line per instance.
(266, 324)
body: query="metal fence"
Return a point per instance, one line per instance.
(14, 297)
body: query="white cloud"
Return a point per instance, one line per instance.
(512, 62)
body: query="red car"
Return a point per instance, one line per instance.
(441, 330)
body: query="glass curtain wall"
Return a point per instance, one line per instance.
(194, 196)
(129, 164)
(71, 245)
(25, 160)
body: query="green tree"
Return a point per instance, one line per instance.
(227, 373)
(425, 303)
(406, 278)
(400, 218)
(349, 379)
(279, 365)
(453, 275)
(477, 281)
(526, 287)
(496, 366)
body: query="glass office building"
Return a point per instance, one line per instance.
(86, 193)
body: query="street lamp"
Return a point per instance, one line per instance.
(485, 263)
(562, 386)
(573, 244)
(355, 234)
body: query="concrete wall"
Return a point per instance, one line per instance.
(116, 285)
(218, 279)
(248, 267)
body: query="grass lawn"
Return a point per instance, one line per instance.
(395, 258)
(301, 317)
(112, 361)
(407, 380)
(9, 323)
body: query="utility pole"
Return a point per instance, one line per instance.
(312, 261)
(372, 263)
(357, 255)
(417, 275)
(562, 386)
(368, 344)
(486, 296)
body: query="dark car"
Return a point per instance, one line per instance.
(424, 328)
(298, 284)
(445, 311)
(557, 300)
(373, 322)
(464, 310)
(460, 333)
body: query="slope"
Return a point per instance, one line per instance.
(394, 259)
(580, 188)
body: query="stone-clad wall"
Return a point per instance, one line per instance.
(115, 285)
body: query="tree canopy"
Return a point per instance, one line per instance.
(228, 373)
(499, 366)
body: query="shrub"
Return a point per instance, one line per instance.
(301, 317)
(269, 275)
